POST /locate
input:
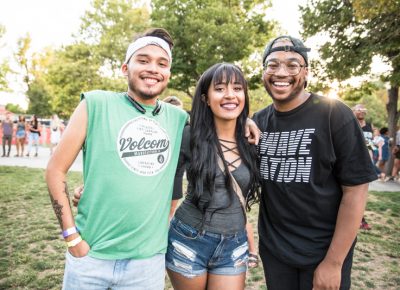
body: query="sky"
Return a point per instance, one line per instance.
(52, 23)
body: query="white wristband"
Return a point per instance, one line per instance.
(74, 242)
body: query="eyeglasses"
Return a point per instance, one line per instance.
(361, 110)
(293, 68)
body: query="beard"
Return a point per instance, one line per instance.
(150, 94)
(297, 90)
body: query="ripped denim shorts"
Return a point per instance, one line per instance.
(192, 253)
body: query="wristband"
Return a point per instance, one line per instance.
(74, 242)
(69, 232)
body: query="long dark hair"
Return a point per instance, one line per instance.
(34, 121)
(204, 142)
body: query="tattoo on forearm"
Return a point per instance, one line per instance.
(57, 209)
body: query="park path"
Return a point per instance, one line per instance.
(44, 155)
(36, 162)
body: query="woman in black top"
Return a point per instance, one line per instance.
(207, 246)
(34, 134)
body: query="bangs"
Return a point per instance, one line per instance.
(228, 73)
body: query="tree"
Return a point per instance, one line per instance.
(4, 66)
(206, 32)
(23, 58)
(14, 108)
(109, 26)
(71, 71)
(358, 30)
(39, 98)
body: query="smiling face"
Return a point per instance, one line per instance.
(285, 89)
(360, 111)
(148, 73)
(226, 99)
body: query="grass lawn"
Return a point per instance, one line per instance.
(32, 250)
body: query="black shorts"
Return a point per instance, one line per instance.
(280, 276)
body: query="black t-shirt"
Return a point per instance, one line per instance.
(305, 156)
(368, 135)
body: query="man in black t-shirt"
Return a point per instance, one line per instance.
(315, 172)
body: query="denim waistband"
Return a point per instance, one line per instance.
(176, 221)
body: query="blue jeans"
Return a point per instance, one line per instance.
(192, 253)
(88, 273)
(33, 139)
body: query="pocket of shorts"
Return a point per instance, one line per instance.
(241, 238)
(184, 230)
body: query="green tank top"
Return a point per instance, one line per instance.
(129, 166)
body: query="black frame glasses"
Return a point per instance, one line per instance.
(293, 68)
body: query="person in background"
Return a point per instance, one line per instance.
(378, 143)
(207, 239)
(34, 134)
(20, 136)
(315, 170)
(7, 127)
(360, 112)
(384, 157)
(396, 154)
(55, 132)
(174, 101)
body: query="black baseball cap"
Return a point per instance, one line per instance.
(298, 46)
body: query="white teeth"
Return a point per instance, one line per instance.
(281, 84)
(150, 81)
(229, 106)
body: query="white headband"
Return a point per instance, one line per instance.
(145, 41)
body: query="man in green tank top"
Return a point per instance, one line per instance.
(130, 144)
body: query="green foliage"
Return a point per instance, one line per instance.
(39, 98)
(206, 32)
(356, 33)
(73, 70)
(372, 95)
(23, 58)
(259, 99)
(109, 26)
(4, 71)
(32, 72)
(4, 66)
(14, 108)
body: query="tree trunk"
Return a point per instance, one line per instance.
(393, 118)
